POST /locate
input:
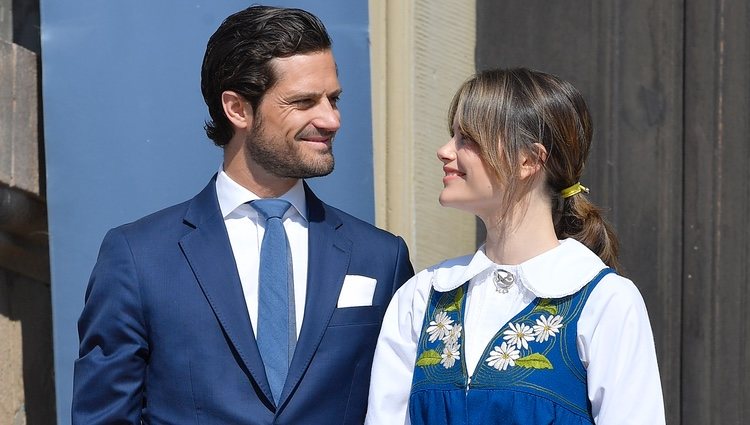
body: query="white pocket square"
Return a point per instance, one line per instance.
(357, 291)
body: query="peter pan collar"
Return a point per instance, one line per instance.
(557, 273)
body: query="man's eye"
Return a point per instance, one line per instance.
(304, 103)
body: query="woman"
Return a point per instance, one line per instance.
(535, 327)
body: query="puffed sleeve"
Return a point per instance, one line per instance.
(395, 353)
(616, 344)
(403, 270)
(110, 372)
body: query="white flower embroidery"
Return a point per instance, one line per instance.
(519, 334)
(440, 327)
(450, 355)
(546, 327)
(503, 356)
(453, 335)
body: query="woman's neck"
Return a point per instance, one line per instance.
(527, 233)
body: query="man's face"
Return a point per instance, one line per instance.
(296, 121)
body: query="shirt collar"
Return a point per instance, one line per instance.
(450, 274)
(557, 273)
(232, 195)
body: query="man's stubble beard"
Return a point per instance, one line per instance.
(283, 158)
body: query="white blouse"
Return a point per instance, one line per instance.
(615, 341)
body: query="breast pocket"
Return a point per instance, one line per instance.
(352, 316)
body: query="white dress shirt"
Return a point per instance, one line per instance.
(615, 341)
(246, 227)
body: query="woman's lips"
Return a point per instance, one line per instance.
(451, 174)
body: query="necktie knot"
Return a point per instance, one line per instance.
(271, 207)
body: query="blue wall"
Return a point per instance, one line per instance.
(123, 118)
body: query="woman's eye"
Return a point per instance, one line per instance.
(462, 140)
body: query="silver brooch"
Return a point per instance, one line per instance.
(503, 280)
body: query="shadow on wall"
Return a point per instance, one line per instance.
(26, 351)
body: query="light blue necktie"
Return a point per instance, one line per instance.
(276, 338)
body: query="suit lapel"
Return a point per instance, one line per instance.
(209, 253)
(328, 262)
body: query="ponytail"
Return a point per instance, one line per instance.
(581, 220)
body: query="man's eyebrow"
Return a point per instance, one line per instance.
(312, 95)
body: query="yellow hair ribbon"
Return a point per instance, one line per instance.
(574, 190)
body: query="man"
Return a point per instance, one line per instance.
(190, 316)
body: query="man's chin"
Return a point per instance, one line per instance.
(313, 175)
(316, 170)
(321, 172)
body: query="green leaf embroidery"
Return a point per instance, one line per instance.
(429, 358)
(545, 305)
(456, 304)
(534, 361)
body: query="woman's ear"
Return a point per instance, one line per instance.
(237, 110)
(532, 162)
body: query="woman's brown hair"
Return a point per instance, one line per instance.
(506, 112)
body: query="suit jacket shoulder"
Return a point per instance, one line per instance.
(356, 229)
(173, 222)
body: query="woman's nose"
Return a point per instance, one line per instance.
(446, 153)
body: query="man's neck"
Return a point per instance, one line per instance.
(263, 186)
(253, 177)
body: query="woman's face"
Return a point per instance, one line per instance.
(467, 183)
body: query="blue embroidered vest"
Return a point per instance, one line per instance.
(529, 374)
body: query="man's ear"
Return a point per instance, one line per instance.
(532, 162)
(237, 110)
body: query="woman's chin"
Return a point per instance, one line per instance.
(450, 202)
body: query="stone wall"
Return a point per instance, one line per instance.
(26, 356)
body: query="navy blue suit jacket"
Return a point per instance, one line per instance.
(166, 337)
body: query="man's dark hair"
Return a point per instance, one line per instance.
(238, 57)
